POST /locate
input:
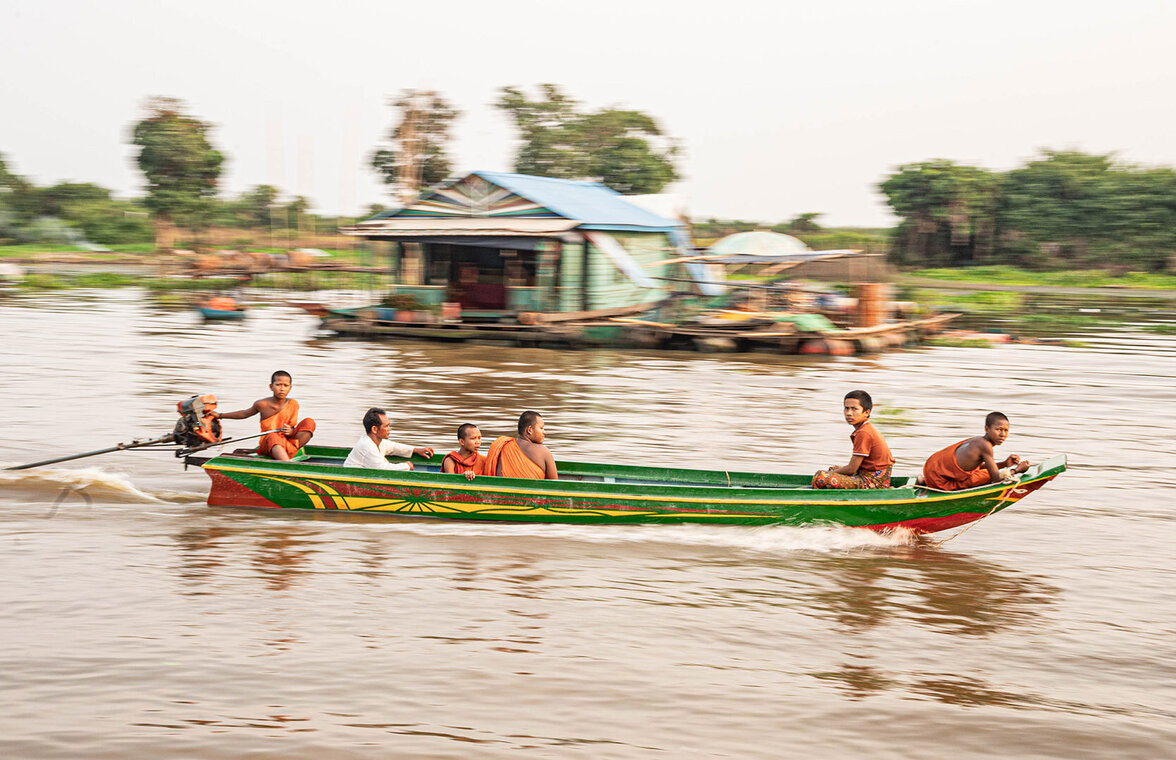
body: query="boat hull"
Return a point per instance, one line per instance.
(591, 496)
(221, 313)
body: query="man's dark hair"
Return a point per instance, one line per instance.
(465, 428)
(371, 419)
(526, 420)
(280, 373)
(863, 397)
(993, 418)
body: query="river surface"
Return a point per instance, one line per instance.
(138, 622)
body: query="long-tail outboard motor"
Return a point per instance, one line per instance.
(198, 426)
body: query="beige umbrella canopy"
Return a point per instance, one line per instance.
(771, 244)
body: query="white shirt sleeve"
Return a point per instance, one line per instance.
(391, 448)
(365, 454)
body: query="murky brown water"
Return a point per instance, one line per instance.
(138, 622)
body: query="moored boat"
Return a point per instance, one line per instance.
(221, 307)
(208, 313)
(602, 493)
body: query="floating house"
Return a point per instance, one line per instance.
(513, 246)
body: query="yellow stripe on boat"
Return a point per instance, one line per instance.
(318, 477)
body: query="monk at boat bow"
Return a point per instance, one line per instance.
(279, 418)
(523, 456)
(971, 462)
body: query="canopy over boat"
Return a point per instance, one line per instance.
(602, 493)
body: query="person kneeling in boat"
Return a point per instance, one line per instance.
(279, 419)
(523, 456)
(871, 462)
(971, 462)
(370, 450)
(466, 460)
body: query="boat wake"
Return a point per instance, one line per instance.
(94, 482)
(774, 539)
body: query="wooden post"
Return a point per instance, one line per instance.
(584, 295)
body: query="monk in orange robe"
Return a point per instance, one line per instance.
(466, 460)
(523, 456)
(972, 462)
(279, 417)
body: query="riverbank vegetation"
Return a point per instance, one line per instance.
(1064, 210)
(1084, 220)
(1076, 278)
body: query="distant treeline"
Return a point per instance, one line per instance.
(804, 227)
(1063, 210)
(82, 212)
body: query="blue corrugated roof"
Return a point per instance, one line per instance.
(590, 203)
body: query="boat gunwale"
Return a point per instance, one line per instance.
(721, 494)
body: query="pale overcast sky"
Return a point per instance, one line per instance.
(781, 107)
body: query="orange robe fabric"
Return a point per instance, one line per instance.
(287, 415)
(515, 464)
(475, 463)
(943, 471)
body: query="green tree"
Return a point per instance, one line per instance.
(625, 149)
(948, 212)
(416, 153)
(1063, 209)
(19, 200)
(54, 200)
(801, 224)
(109, 221)
(256, 205)
(181, 166)
(1069, 209)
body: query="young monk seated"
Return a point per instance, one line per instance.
(370, 450)
(970, 462)
(279, 414)
(466, 459)
(871, 462)
(524, 456)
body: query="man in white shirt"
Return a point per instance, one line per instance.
(370, 450)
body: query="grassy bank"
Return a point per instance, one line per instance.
(1078, 278)
(300, 281)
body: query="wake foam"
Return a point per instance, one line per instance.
(772, 539)
(48, 483)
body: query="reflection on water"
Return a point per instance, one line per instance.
(939, 590)
(158, 626)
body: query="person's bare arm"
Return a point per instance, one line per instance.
(1017, 463)
(1014, 461)
(549, 472)
(447, 465)
(855, 463)
(240, 414)
(987, 459)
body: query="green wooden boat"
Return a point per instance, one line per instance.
(601, 493)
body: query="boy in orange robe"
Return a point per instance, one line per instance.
(971, 462)
(523, 456)
(279, 415)
(871, 462)
(466, 459)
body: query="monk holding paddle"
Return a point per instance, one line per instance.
(523, 456)
(279, 418)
